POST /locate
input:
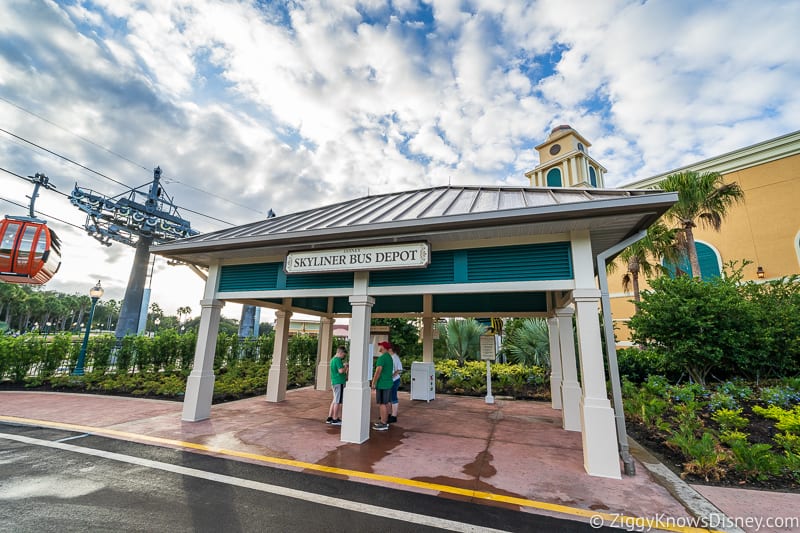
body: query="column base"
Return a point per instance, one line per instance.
(555, 391)
(355, 412)
(600, 450)
(571, 406)
(323, 376)
(276, 383)
(199, 393)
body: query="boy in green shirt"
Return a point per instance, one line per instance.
(382, 383)
(338, 378)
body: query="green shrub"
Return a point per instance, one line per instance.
(754, 461)
(721, 400)
(788, 421)
(730, 420)
(704, 455)
(782, 396)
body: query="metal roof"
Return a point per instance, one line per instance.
(434, 211)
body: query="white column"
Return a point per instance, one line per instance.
(570, 388)
(325, 349)
(598, 430)
(573, 170)
(427, 328)
(278, 371)
(600, 446)
(200, 383)
(356, 408)
(555, 363)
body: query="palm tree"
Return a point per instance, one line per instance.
(183, 311)
(703, 197)
(463, 338)
(529, 343)
(659, 243)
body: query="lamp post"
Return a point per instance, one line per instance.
(95, 293)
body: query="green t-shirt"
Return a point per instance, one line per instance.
(336, 377)
(385, 380)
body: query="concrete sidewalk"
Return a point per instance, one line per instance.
(511, 453)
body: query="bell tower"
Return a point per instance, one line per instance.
(564, 162)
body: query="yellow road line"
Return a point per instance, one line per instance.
(608, 519)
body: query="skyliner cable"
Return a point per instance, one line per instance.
(108, 150)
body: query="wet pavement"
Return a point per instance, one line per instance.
(511, 453)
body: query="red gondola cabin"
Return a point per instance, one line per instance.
(30, 252)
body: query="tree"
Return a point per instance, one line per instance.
(183, 311)
(529, 343)
(702, 197)
(645, 255)
(403, 334)
(462, 337)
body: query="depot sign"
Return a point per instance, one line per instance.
(411, 255)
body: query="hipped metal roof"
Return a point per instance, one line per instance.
(437, 213)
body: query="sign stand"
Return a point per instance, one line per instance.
(488, 354)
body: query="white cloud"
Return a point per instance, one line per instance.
(297, 105)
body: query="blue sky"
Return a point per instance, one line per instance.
(248, 105)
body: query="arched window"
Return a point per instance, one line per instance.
(592, 176)
(709, 263)
(554, 177)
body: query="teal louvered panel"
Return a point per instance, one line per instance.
(523, 302)
(341, 305)
(531, 262)
(329, 280)
(312, 304)
(256, 277)
(406, 303)
(439, 271)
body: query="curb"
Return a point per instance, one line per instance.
(697, 505)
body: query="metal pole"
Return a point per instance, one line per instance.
(489, 397)
(82, 356)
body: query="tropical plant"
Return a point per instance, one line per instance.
(702, 197)
(529, 343)
(462, 337)
(644, 256)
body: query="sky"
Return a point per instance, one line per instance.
(248, 106)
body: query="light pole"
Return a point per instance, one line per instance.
(95, 293)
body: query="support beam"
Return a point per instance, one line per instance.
(555, 363)
(278, 371)
(325, 348)
(570, 388)
(200, 383)
(427, 328)
(357, 392)
(598, 429)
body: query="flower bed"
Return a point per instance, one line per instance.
(733, 433)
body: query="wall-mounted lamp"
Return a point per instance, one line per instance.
(760, 272)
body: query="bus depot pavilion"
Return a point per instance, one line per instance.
(429, 253)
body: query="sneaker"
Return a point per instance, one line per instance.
(392, 419)
(329, 420)
(381, 427)
(337, 422)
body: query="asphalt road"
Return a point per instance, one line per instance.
(54, 480)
